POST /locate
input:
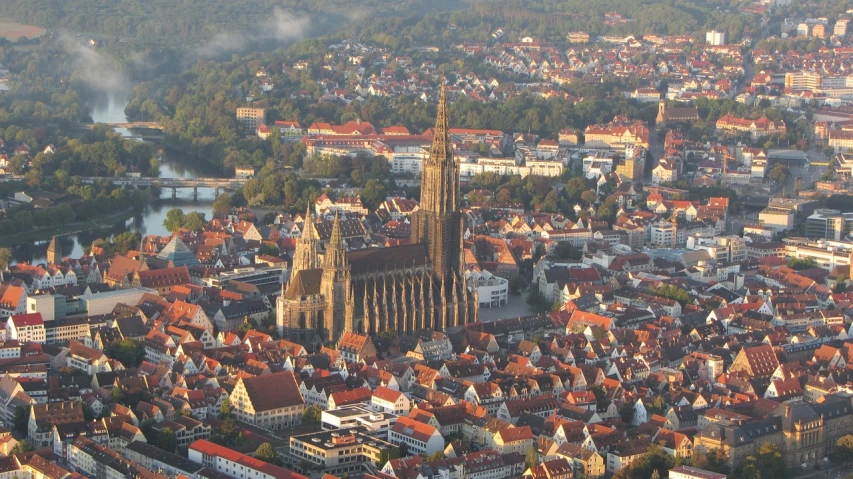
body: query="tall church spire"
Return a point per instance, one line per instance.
(440, 178)
(442, 147)
(306, 256)
(438, 222)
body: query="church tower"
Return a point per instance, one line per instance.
(438, 222)
(306, 256)
(54, 253)
(335, 286)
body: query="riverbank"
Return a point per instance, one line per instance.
(46, 232)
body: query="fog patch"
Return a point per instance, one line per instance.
(282, 26)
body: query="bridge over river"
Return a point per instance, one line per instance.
(148, 125)
(173, 183)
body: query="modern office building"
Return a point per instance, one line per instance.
(829, 224)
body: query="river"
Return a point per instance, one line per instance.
(149, 221)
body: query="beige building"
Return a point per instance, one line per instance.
(341, 452)
(271, 401)
(251, 118)
(776, 218)
(514, 439)
(804, 433)
(590, 462)
(841, 140)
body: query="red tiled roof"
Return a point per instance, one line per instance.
(210, 449)
(29, 319)
(409, 427)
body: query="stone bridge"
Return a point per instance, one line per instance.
(173, 183)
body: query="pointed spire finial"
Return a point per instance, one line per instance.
(336, 238)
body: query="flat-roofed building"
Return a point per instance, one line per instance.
(345, 451)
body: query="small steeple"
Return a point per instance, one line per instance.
(141, 252)
(54, 253)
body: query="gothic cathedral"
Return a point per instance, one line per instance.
(421, 285)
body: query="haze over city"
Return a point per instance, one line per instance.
(426, 240)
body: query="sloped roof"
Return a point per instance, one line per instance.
(178, 253)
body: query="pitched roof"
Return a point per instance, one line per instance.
(273, 391)
(29, 319)
(417, 430)
(210, 449)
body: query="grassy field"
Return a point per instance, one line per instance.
(12, 31)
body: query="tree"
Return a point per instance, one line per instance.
(127, 351)
(266, 453)
(768, 461)
(166, 440)
(226, 410)
(88, 412)
(531, 459)
(714, 460)
(607, 210)
(221, 205)
(174, 220)
(565, 250)
(626, 412)
(268, 249)
(779, 173)
(5, 257)
(194, 221)
(21, 447)
(538, 301)
(312, 414)
(673, 292)
(843, 451)
(22, 419)
(373, 194)
(436, 456)
(575, 188)
(657, 406)
(656, 459)
(516, 284)
(801, 264)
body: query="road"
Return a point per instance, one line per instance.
(809, 173)
(837, 472)
(735, 223)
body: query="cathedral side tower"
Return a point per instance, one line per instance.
(306, 255)
(335, 285)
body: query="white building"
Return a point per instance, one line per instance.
(355, 415)
(26, 327)
(731, 249)
(715, 38)
(598, 164)
(390, 401)
(233, 463)
(776, 218)
(492, 290)
(661, 235)
(418, 436)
